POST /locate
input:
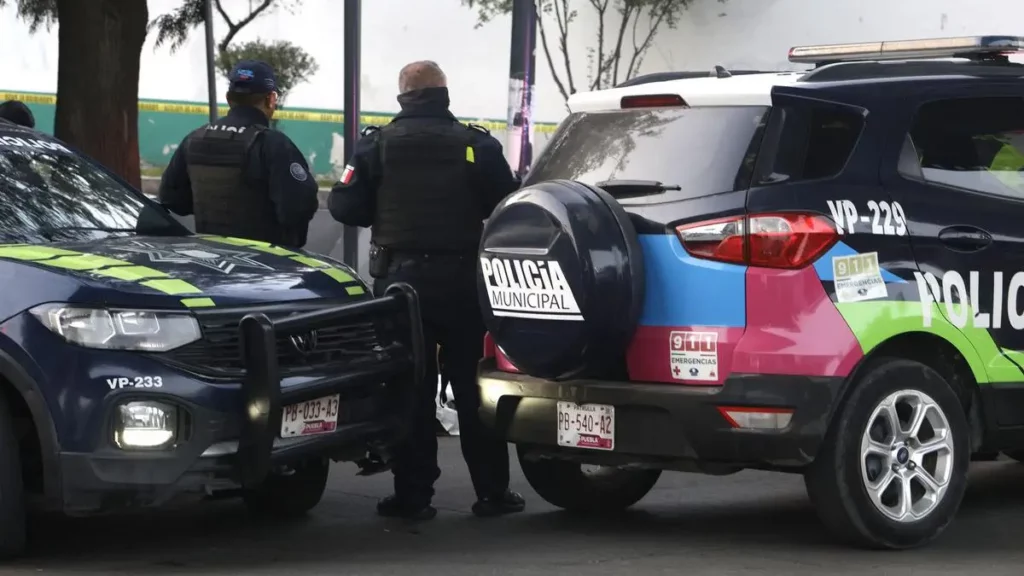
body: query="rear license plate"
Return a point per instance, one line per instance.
(586, 426)
(311, 417)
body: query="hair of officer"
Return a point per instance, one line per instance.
(420, 75)
(258, 100)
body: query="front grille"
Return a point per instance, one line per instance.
(219, 353)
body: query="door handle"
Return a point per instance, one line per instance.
(965, 238)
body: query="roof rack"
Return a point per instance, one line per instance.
(971, 47)
(717, 72)
(912, 69)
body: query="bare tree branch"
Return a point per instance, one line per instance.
(235, 28)
(563, 18)
(663, 10)
(624, 12)
(547, 52)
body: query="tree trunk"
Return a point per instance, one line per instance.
(98, 80)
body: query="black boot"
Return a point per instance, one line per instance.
(394, 507)
(508, 502)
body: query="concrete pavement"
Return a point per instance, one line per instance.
(750, 523)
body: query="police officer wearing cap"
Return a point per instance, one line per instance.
(240, 177)
(425, 183)
(17, 112)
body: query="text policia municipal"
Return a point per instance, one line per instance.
(953, 291)
(527, 288)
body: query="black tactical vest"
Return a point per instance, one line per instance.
(224, 203)
(425, 200)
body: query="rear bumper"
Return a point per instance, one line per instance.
(667, 425)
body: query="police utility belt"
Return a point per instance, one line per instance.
(382, 257)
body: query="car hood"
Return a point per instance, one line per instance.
(195, 270)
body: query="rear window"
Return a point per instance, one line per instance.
(702, 150)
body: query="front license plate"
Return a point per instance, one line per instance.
(586, 426)
(310, 418)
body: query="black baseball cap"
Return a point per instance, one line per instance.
(252, 77)
(17, 112)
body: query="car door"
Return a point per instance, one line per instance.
(965, 219)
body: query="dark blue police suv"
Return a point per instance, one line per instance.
(140, 363)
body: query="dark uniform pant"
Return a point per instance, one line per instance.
(451, 318)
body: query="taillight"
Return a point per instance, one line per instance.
(488, 346)
(782, 240)
(652, 101)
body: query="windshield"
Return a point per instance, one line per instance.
(701, 150)
(48, 193)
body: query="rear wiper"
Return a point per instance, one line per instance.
(634, 188)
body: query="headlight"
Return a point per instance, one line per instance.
(145, 425)
(146, 331)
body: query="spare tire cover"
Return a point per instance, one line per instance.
(560, 279)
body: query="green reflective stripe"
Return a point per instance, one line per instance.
(26, 252)
(131, 273)
(84, 262)
(355, 290)
(339, 275)
(172, 286)
(310, 261)
(198, 302)
(253, 244)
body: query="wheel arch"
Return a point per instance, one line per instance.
(25, 390)
(956, 359)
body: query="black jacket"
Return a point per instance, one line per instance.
(352, 200)
(274, 169)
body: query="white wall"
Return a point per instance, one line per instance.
(395, 32)
(734, 33)
(757, 34)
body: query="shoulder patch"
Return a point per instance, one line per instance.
(479, 128)
(298, 172)
(369, 130)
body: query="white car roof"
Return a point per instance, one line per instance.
(740, 90)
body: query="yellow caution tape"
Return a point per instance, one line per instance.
(164, 107)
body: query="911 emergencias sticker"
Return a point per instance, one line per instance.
(858, 277)
(694, 355)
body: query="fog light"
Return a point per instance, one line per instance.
(145, 425)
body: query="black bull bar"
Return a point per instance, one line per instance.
(264, 399)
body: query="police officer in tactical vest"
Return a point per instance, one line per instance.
(240, 177)
(425, 183)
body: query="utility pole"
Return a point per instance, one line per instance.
(520, 85)
(211, 68)
(352, 48)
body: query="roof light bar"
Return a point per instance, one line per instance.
(960, 47)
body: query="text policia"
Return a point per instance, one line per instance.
(527, 288)
(961, 298)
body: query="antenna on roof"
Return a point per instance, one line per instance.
(721, 72)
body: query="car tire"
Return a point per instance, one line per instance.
(12, 493)
(860, 490)
(289, 495)
(565, 484)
